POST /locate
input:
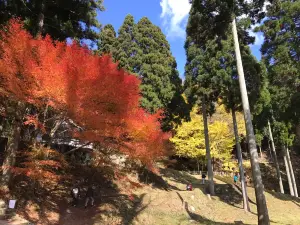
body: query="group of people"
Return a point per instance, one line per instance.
(89, 195)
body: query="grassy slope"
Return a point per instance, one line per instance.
(166, 207)
(159, 206)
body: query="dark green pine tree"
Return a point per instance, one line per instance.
(281, 54)
(60, 19)
(126, 46)
(107, 40)
(156, 66)
(142, 49)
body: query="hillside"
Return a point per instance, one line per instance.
(166, 202)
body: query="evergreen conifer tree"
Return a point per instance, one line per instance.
(60, 19)
(107, 40)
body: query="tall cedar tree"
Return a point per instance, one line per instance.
(60, 19)
(255, 75)
(88, 89)
(143, 50)
(281, 54)
(208, 21)
(126, 47)
(202, 87)
(107, 40)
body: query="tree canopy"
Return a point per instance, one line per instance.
(141, 48)
(65, 77)
(60, 19)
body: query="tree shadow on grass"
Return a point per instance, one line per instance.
(285, 197)
(201, 219)
(148, 177)
(110, 210)
(227, 193)
(52, 205)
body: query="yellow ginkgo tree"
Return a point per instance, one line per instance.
(189, 138)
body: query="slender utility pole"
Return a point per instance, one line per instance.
(262, 210)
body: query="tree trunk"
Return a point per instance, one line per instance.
(198, 166)
(208, 156)
(240, 159)
(288, 173)
(262, 210)
(41, 18)
(270, 151)
(292, 173)
(12, 145)
(10, 154)
(260, 154)
(275, 159)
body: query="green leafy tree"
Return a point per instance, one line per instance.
(60, 19)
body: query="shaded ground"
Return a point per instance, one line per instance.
(166, 202)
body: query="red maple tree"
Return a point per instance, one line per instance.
(89, 89)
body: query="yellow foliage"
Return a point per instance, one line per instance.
(189, 139)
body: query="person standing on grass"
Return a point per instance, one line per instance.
(235, 179)
(89, 196)
(203, 178)
(75, 193)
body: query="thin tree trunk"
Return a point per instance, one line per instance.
(275, 159)
(198, 166)
(240, 159)
(270, 151)
(292, 173)
(41, 18)
(260, 153)
(288, 173)
(262, 210)
(208, 156)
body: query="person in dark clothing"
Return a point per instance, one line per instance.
(203, 178)
(75, 193)
(89, 196)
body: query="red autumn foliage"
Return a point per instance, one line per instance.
(33, 120)
(41, 164)
(90, 89)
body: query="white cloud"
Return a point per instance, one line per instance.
(174, 15)
(259, 37)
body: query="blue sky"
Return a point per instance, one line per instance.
(169, 15)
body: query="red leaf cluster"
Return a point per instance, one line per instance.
(90, 89)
